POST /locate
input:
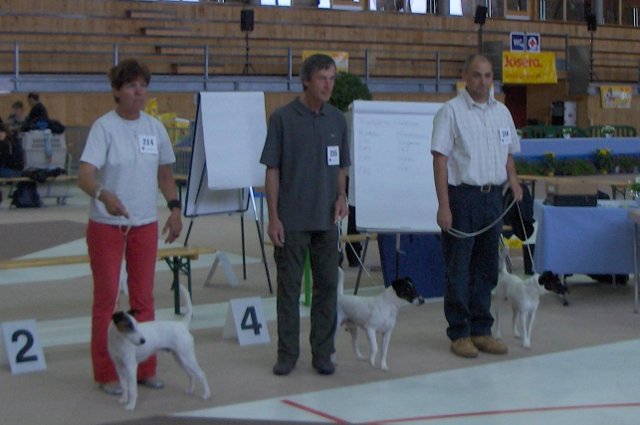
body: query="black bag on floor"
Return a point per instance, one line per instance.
(26, 196)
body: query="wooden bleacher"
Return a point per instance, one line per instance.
(397, 44)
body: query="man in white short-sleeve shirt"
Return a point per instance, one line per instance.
(472, 142)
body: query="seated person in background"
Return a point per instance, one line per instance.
(16, 118)
(37, 114)
(11, 154)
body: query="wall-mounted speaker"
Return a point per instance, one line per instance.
(591, 22)
(481, 15)
(246, 20)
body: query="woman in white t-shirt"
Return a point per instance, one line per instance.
(128, 155)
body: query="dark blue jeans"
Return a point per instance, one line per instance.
(290, 259)
(471, 264)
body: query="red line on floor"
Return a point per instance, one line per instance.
(324, 415)
(505, 412)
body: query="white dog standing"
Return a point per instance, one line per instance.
(131, 342)
(524, 297)
(374, 314)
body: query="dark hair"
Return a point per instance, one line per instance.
(17, 104)
(127, 71)
(315, 63)
(33, 95)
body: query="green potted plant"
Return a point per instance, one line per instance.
(549, 163)
(567, 132)
(348, 87)
(608, 131)
(575, 167)
(603, 160)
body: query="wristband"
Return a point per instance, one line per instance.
(98, 193)
(174, 203)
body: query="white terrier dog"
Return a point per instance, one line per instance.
(374, 314)
(131, 342)
(524, 297)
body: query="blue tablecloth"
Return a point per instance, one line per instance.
(579, 146)
(588, 240)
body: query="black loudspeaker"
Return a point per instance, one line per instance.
(481, 15)
(246, 20)
(591, 22)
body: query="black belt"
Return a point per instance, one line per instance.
(485, 188)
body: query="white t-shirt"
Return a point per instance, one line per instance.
(476, 138)
(127, 154)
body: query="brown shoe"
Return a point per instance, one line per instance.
(488, 344)
(463, 347)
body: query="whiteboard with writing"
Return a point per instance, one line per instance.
(392, 173)
(230, 131)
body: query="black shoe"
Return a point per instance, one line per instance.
(283, 368)
(324, 366)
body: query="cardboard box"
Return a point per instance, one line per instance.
(35, 144)
(565, 186)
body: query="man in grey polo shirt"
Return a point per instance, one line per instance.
(472, 142)
(307, 154)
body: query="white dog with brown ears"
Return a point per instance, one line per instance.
(131, 342)
(524, 297)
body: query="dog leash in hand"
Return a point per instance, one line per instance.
(124, 229)
(462, 235)
(351, 245)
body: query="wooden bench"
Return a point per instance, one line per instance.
(177, 258)
(46, 192)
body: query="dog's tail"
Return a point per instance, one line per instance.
(186, 296)
(340, 289)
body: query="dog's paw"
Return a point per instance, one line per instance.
(384, 367)
(206, 395)
(123, 400)
(130, 406)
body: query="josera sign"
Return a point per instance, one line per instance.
(529, 68)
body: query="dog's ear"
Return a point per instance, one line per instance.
(405, 289)
(118, 316)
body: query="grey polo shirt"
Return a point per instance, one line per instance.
(299, 143)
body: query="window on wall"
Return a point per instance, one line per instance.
(610, 11)
(517, 5)
(631, 12)
(455, 7)
(577, 10)
(554, 10)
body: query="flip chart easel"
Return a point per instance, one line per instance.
(391, 182)
(225, 162)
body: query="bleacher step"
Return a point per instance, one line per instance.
(149, 14)
(166, 32)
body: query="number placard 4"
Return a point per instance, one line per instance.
(23, 346)
(245, 319)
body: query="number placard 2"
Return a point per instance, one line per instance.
(23, 346)
(245, 319)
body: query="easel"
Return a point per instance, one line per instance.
(229, 132)
(220, 257)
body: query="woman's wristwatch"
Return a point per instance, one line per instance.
(174, 203)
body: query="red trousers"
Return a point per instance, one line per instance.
(107, 244)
